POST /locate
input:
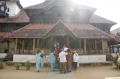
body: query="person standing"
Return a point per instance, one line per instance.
(69, 61)
(65, 48)
(75, 60)
(42, 57)
(52, 60)
(38, 61)
(62, 57)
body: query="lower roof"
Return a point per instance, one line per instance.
(37, 30)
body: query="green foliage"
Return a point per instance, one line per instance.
(17, 64)
(1, 65)
(115, 60)
(27, 63)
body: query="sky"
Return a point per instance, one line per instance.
(109, 9)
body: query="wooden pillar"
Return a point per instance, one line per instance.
(51, 43)
(112, 49)
(23, 46)
(16, 42)
(79, 43)
(85, 45)
(8, 46)
(33, 45)
(102, 46)
(67, 41)
(95, 46)
(38, 44)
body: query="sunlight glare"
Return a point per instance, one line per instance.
(78, 1)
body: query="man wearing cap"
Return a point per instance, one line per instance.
(62, 57)
(75, 60)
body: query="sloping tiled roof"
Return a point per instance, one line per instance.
(2, 34)
(98, 19)
(50, 3)
(32, 31)
(116, 31)
(88, 31)
(116, 37)
(21, 17)
(38, 30)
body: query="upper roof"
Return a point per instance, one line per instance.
(21, 17)
(98, 19)
(50, 3)
(38, 30)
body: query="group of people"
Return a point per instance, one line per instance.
(65, 58)
(68, 60)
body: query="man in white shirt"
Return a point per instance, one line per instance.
(75, 60)
(62, 56)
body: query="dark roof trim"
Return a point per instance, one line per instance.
(18, 3)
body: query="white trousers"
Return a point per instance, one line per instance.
(42, 61)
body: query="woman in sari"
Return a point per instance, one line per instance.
(69, 61)
(38, 61)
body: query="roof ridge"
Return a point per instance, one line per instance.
(51, 28)
(56, 24)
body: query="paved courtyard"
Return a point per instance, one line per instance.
(83, 72)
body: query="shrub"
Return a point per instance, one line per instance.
(1, 65)
(17, 64)
(27, 63)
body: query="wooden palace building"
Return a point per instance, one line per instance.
(28, 29)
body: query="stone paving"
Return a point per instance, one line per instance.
(57, 75)
(113, 78)
(83, 72)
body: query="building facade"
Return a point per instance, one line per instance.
(40, 26)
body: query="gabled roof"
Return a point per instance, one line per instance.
(21, 17)
(38, 30)
(98, 19)
(60, 29)
(47, 4)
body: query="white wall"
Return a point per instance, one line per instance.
(13, 8)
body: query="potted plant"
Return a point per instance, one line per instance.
(1, 65)
(17, 65)
(27, 64)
